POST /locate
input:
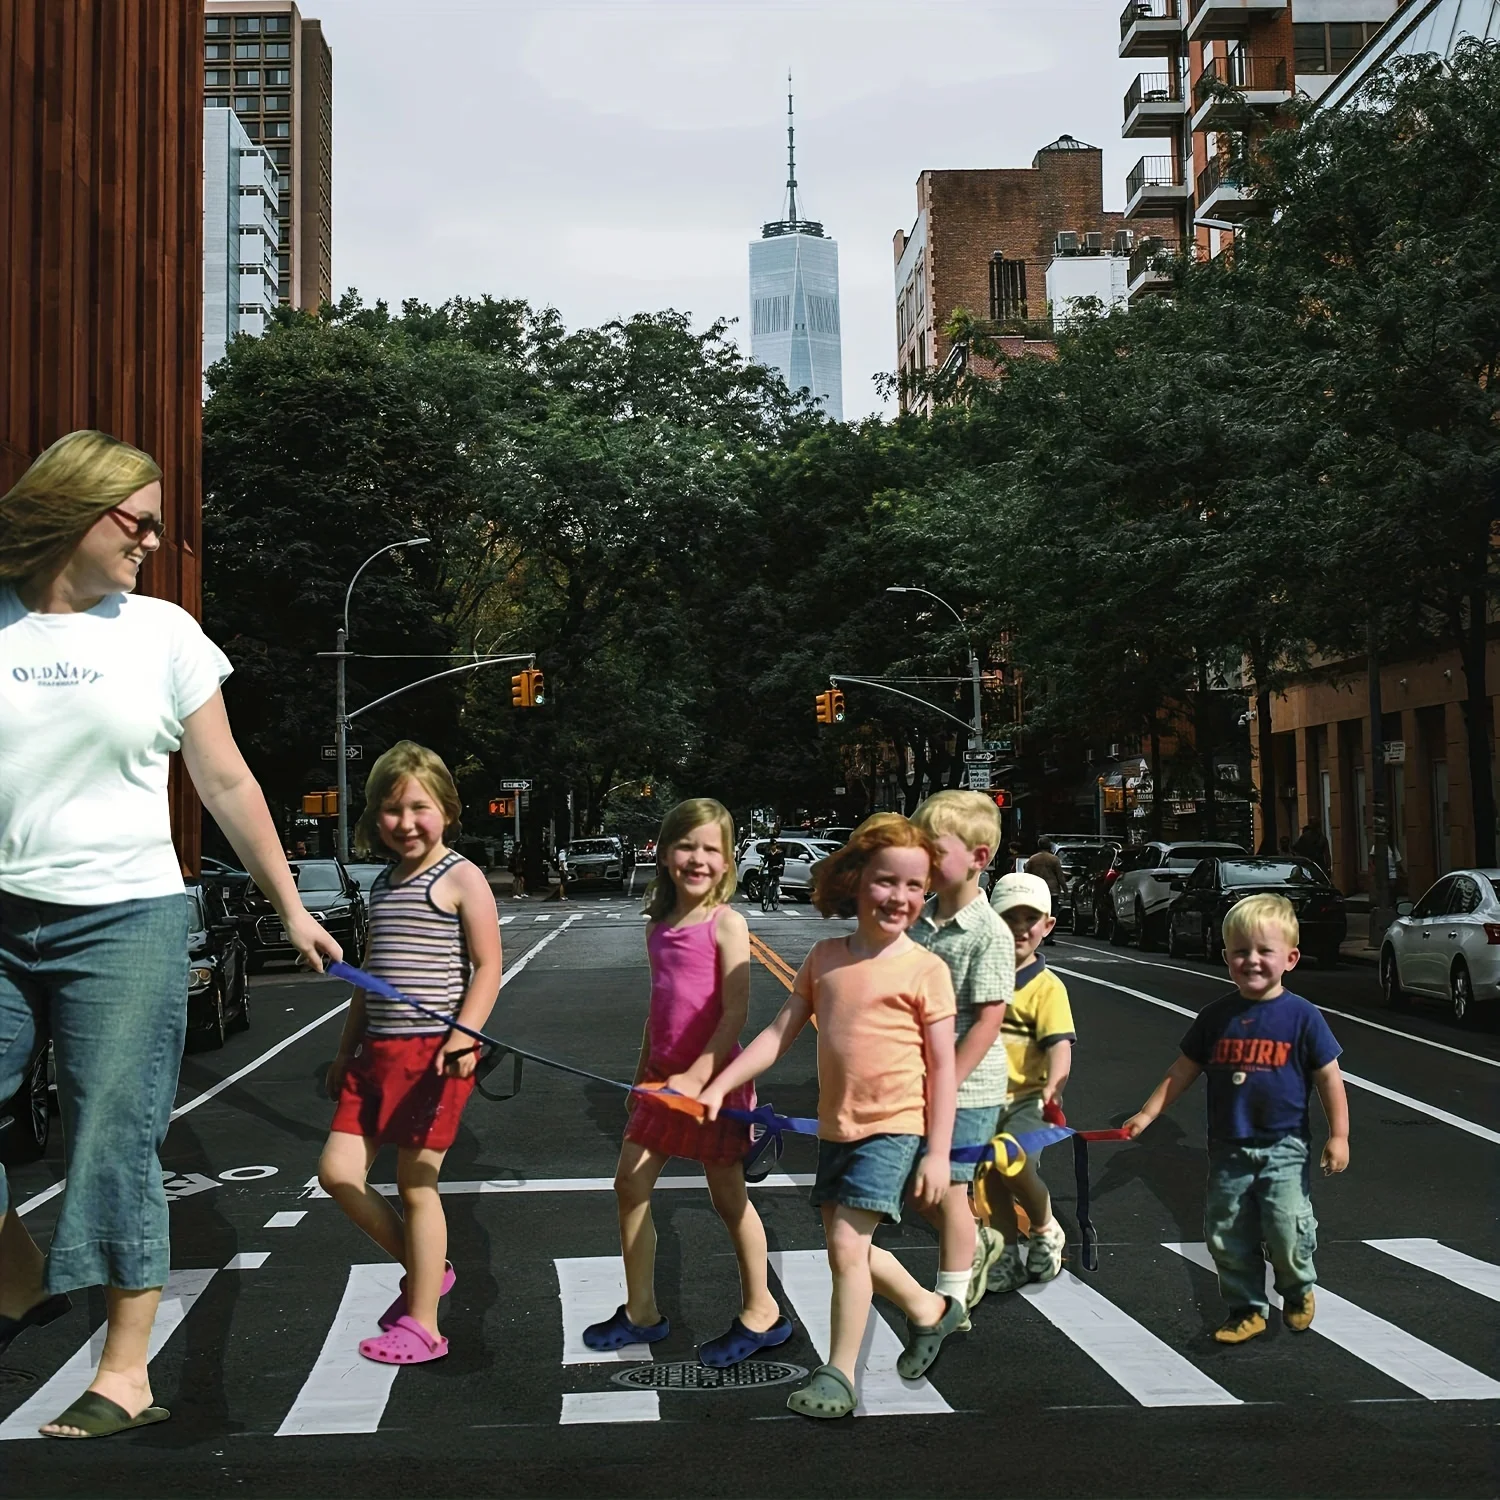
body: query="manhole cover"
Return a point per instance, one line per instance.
(689, 1375)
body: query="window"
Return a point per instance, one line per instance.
(279, 49)
(246, 78)
(217, 78)
(278, 77)
(216, 25)
(283, 263)
(1465, 897)
(1310, 48)
(216, 101)
(216, 49)
(281, 155)
(247, 25)
(247, 49)
(1345, 38)
(1329, 46)
(278, 25)
(1435, 902)
(278, 129)
(278, 103)
(246, 104)
(1007, 290)
(771, 315)
(823, 314)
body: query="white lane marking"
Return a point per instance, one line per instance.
(536, 948)
(610, 1406)
(1422, 1108)
(248, 1260)
(590, 1288)
(541, 919)
(506, 920)
(1428, 1255)
(1223, 979)
(344, 1391)
(808, 1284)
(288, 1218)
(1131, 1355)
(1397, 1354)
(183, 1288)
(566, 1185)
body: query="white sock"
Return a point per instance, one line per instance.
(953, 1284)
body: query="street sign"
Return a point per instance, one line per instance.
(351, 752)
(981, 757)
(515, 786)
(1395, 752)
(979, 778)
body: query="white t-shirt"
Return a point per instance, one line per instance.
(91, 707)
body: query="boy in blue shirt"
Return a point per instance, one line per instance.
(1263, 1049)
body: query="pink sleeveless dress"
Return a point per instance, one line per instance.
(687, 1005)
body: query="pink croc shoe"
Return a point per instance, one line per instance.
(405, 1342)
(399, 1309)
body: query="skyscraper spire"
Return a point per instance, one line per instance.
(791, 154)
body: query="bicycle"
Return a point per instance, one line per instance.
(770, 893)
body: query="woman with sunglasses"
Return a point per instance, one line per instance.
(98, 686)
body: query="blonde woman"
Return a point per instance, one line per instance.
(98, 687)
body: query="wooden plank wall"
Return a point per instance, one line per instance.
(101, 255)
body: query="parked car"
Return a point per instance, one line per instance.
(1195, 919)
(1140, 897)
(364, 875)
(329, 893)
(218, 969)
(1079, 858)
(26, 1117)
(594, 862)
(839, 836)
(1446, 946)
(796, 879)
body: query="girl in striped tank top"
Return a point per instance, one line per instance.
(402, 1079)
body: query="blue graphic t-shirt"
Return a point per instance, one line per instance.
(1259, 1057)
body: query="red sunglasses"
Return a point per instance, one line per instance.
(140, 527)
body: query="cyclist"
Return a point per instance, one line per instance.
(771, 872)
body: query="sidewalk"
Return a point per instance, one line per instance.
(1356, 946)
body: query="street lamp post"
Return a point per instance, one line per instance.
(341, 726)
(976, 729)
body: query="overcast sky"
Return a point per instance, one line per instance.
(613, 156)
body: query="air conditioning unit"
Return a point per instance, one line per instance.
(1067, 242)
(1124, 242)
(1093, 242)
(1114, 751)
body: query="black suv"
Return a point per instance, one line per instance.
(218, 968)
(329, 893)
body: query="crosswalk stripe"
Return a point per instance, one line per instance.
(609, 1406)
(543, 918)
(1464, 1270)
(808, 1284)
(183, 1288)
(344, 1391)
(1391, 1350)
(508, 918)
(1131, 1355)
(591, 1287)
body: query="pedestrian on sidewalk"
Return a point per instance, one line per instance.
(98, 686)
(1264, 1050)
(518, 871)
(1048, 866)
(884, 1008)
(699, 951)
(402, 1078)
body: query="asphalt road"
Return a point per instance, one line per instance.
(1098, 1384)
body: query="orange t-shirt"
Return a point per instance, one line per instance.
(872, 1066)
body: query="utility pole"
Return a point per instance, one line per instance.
(976, 739)
(341, 745)
(1382, 910)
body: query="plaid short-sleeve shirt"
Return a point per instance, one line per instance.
(980, 953)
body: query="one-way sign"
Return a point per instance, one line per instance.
(981, 757)
(351, 752)
(515, 786)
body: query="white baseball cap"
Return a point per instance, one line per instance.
(1017, 889)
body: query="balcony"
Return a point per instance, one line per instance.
(1155, 186)
(1218, 19)
(1260, 84)
(1222, 197)
(1151, 28)
(1153, 267)
(1154, 105)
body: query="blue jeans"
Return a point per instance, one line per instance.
(1258, 1195)
(108, 984)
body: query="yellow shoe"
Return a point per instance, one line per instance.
(1240, 1328)
(1298, 1314)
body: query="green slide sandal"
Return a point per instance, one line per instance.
(922, 1344)
(827, 1394)
(98, 1416)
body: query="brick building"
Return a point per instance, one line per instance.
(983, 239)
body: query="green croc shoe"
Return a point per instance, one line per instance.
(923, 1344)
(827, 1394)
(97, 1416)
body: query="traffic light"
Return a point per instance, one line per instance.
(502, 807)
(526, 689)
(836, 701)
(320, 804)
(1002, 798)
(830, 707)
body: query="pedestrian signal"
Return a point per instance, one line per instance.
(502, 807)
(320, 804)
(526, 689)
(1002, 798)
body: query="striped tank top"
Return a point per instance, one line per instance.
(418, 948)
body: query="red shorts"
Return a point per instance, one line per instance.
(658, 1127)
(391, 1095)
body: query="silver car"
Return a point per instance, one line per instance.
(600, 861)
(1446, 946)
(1143, 893)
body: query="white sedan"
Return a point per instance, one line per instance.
(1447, 946)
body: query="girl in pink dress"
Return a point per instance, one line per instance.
(699, 950)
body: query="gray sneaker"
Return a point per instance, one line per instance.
(988, 1247)
(1008, 1274)
(1044, 1251)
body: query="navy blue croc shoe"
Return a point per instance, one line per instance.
(740, 1343)
(619, 1331)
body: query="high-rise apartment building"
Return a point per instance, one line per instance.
(273, 68)
(1262, 50)
(794, 299)
(240, 231)
(984, 240)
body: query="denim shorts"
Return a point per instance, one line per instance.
(108, 984)
(872, 1174)
(972, 1127)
